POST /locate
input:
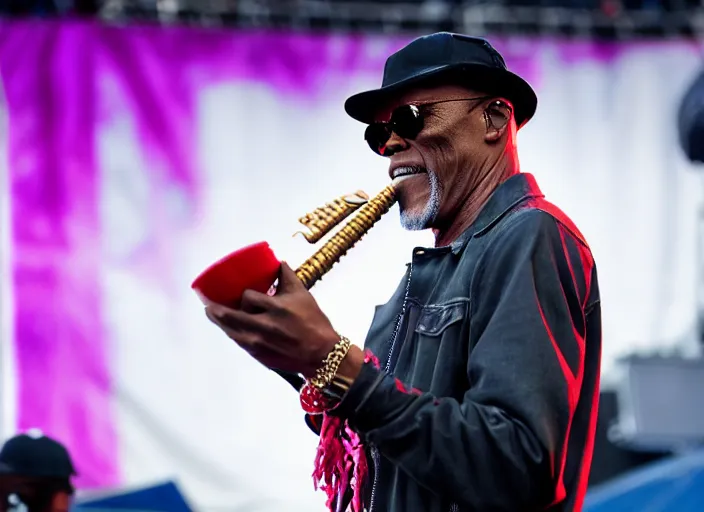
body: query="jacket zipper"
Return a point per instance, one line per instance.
(375, 452)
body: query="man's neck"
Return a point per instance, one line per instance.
(473, 206)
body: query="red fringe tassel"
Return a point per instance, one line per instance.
(340, 461)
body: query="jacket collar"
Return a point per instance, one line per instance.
(511, 192)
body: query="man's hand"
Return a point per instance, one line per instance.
(285, 331)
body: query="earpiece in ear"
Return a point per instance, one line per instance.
(497, 114)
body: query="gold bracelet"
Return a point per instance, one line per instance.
(327, 373)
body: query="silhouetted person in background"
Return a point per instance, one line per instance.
(35, 471)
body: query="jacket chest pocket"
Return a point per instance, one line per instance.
(432, 353)
(435, 319)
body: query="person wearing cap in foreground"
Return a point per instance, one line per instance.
(37, 470)
(478, 387)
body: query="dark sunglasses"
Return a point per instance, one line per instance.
(406, 121)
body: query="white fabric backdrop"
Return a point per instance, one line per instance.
(7, 380)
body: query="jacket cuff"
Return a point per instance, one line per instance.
(359, 392)
(367, 380)
(353, 403)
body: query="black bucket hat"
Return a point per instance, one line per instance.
(470, 61)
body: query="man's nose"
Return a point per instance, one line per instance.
(395, 144)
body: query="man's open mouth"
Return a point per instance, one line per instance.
(407, 171)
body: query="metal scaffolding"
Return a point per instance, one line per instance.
(603, 19)
(594, 19)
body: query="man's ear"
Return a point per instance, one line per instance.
(497, 116)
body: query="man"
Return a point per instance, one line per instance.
(480, 386)
(36, 471)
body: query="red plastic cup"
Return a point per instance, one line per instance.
(254, 267)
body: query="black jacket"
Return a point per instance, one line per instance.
(490, 351)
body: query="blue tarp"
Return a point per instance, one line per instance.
(159, 498)
(675, 484)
